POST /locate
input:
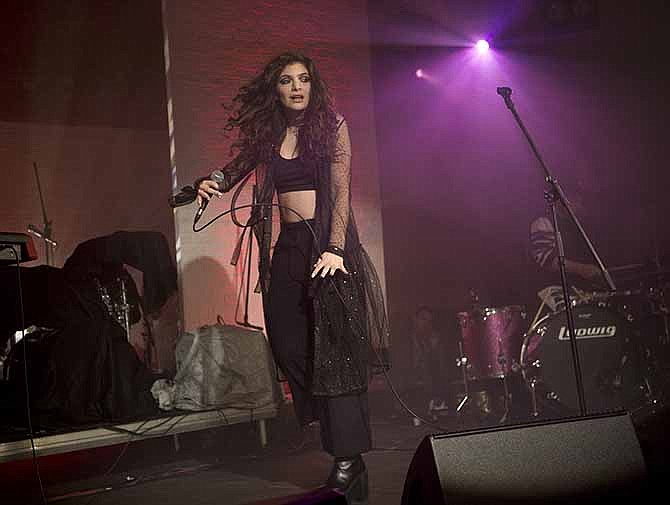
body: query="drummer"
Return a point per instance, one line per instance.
(583, 275)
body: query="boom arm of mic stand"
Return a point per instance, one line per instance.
(596, 257)
(550, 179)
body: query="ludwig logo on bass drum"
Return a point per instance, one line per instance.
(588, 332)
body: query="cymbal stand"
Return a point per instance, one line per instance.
(502, 361)
(125, 307)
(664, 310)
(533, 396)
(462, 363)
(657, 306)
(532, 383)
(655, 373)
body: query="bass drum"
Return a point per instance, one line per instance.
(607, 354)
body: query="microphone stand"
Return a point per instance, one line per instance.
(556, 194)
(45, 232)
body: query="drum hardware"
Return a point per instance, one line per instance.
(532, 384)
(506, 403)
(533, 396)
(659, 307)
(491, 337)
(481, 398)
(462, 363)
(502, 361)
(489, 333)
(639, 379)
(118, 310)
(125, 307)
(117, 299)
(632, 266)
(612, 367)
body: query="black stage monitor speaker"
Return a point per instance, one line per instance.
(577, 460)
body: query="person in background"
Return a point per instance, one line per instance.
(430, 359)
(583, 275)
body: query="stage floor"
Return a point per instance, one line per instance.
(227, 464)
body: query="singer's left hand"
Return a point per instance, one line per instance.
(327, 264)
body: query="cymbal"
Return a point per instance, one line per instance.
(603, 295)
(655, 273)
(656, 279)
(632, 266)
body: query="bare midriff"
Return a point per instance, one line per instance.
(302, 202)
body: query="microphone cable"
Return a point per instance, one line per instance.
(232, 211)
(31, 432)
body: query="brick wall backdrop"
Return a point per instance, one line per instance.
(214, 48)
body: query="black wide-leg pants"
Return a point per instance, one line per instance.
(344, 420)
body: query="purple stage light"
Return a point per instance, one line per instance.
(482, 46)
(419, 73)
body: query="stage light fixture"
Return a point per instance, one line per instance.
(482, 46)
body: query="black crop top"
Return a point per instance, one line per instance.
(291, 174)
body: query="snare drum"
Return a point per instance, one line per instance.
(492, 339)
(609, 364)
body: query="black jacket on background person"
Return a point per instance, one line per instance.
(82, 368)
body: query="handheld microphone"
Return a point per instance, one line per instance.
(218, 177)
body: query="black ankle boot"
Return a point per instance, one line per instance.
(351, 477)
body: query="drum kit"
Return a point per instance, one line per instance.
(623, 344)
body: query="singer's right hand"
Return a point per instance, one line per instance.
(207, 189)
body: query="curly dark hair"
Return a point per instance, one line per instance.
(260, 118)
